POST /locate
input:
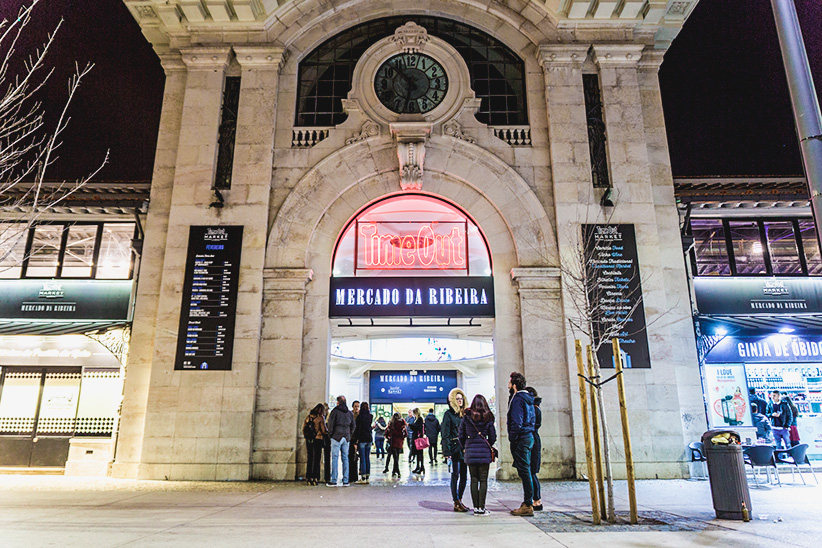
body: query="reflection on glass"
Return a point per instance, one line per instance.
(18, 401)
(782, 247)
(45, 251)
(709, 247)
(12, 249)
(115, 251)
(79, 256)
(807, 231)
(747, 246)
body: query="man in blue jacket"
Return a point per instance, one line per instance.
(521, 421)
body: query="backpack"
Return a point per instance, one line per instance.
(309, 428)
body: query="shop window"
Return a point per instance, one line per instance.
(44, 257)
(227, 133)
(78, 258)
(710, 248)
(810, 246)
(782, 248)
(58, 404)
(12, 249)
(99, 400)
(18, 401)
(748, 251)
(114, 262)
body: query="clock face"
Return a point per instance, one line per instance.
(411, 83)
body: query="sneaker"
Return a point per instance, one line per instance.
(329, 484)
(348, 484)
(523, 510)
(480, 512)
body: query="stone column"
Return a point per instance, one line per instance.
(133, 412)
(280, 371)
(543, 336)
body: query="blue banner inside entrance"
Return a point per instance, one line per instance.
(402, 386)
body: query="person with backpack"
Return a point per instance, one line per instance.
(432, 430)
(477, 435)
(314, 430)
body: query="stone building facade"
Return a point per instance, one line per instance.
(528, 186)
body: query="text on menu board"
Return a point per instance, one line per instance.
(616, 292)
(206, 338)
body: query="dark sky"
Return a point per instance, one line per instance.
(726, 102)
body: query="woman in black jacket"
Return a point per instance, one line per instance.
(417, 431)
(536, 450)
(364, 439)
(476, 435)
(451, 448)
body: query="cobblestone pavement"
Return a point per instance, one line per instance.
(62, 511)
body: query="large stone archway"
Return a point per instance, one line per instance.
(296, 335)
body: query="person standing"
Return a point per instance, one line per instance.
(536, 451)
(793, 430)
(521, 421)
(353, 469)
(314, 430)
(341, 430)
(417, 432)
(379, 436)
(396, 436)
(326, 448)
(432, 430)
(451, 447)
(477, 435)
(781, 418)
(362, 433)
(762, 425)
(412, 454)
(754, 398)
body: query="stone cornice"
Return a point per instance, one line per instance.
(260, 56)
(206, 58)
(568, 55)
(651, 60)
(172, 62)
(536, 277)
(617, 55)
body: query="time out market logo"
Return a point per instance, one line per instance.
(775, 288)
(51, 290)
(215, 235)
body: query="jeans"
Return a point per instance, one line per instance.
(536, 461)
(479, 484)
(459, 476)
(339, 448)
(432, 451)
(315, 453)
(782, 435)
(521, 450)
(365, 457)
(379, 443)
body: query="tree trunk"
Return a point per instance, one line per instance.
(606, 446)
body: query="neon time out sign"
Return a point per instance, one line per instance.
(413, 246)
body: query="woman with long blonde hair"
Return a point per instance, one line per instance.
(417, 431)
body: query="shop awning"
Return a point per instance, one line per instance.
(30, 327)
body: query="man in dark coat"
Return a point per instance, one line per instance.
(521, 423)
(432, 431)
(341, 430)
(781, 418)
(761, 404)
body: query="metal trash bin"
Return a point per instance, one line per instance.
(726, 470)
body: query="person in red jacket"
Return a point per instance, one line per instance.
(395, 435)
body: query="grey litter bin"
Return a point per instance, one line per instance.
(726, 470)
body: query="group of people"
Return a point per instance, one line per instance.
(775, 421)
(468, 436)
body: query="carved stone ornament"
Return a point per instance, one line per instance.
(145, 12)
(411, 155)
(410, 37)
(452, 129)
(369, 129)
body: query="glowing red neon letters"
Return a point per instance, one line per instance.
(423, 250)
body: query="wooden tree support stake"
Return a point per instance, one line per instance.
(586, 435)
(600, 475)
(626, 432)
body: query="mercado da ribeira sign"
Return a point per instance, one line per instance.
(65, 299)
(440, 296)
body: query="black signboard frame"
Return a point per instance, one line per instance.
(429, 297)
(205, 341)
(615, 289)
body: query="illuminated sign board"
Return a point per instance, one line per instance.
(65, 299)
(402, 386)
(444, 296)
(419, 246)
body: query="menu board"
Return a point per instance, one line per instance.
(615, 293)
(206, 337)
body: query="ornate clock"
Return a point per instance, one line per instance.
(411, 83)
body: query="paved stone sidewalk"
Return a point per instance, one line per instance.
(60, 511)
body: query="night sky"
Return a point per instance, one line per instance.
(726, 102)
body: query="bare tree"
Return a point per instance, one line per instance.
(28, 144)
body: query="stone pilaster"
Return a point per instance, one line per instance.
(133, 413)
(543, 337)
(276, 419)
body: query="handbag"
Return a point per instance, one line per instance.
(421, 442)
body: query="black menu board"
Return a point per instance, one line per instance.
(206, 338)
(615, 292)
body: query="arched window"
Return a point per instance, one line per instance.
(497, 73)
(411, 235)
